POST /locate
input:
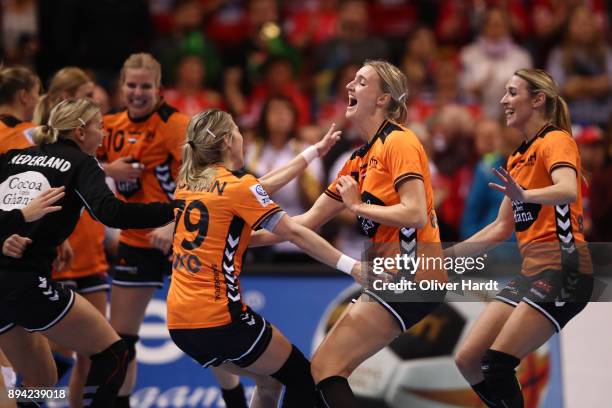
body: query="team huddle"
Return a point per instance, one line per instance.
(187, 209)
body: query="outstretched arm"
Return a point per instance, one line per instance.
(316, 246)
(276, 179)
(323, 210)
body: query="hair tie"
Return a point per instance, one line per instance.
(191, 144)
(82, 122)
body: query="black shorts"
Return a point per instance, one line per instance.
(87, 284)
(36, 305)
(557, 295)
(408, 312)
(240, 343)
(140, 267)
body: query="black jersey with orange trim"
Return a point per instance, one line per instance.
(15, 133)
(392, 157)
(212, 233)
(547, 234)
(154, 141)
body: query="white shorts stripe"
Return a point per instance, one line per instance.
(544, 312)
(58, 318)
(388, 307)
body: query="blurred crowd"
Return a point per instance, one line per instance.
(280, 67)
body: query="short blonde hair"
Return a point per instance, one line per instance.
(64, 118)
(142, 60)
(67, 80)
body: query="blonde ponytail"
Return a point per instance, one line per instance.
(64, 118)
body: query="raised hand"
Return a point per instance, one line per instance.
(509, 186)
(329, 140)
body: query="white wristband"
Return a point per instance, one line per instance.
(310, 153)
(345, 264)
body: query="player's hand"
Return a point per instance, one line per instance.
(41, 205)
(15, 245)
(329, 140)
(161, 238)
(348, 189)
(64, 257)
(124, 169)
(509, 186)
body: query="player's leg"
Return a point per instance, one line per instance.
(231, 388)
(128, 307)
(267, 390)
(81, 368)
(478, 340)
(30, 356)
(7, 379)
(98, 341)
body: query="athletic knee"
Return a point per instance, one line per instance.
(268, 386)
(130, 342)
(498, 369)
(295, 370)
(468, 361)
(325, 366)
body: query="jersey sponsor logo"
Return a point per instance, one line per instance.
(261, 195)
(525, 214)
(128, 188)
(51, 162)
(18, 190)
(369, 227)
(186, 262)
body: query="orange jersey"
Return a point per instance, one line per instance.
(87, 242)
(15, 134)
(545, 232)
(155, 142)
(393, 156)
(212, 233)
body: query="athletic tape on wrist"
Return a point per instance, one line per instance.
(345, 264)
(310, 153)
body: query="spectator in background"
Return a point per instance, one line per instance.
(247, 61)
(189, 94)
(488, 62)
(418, 61)
(186, 38)
(312, 24)
(275, 146)
(279, 79)
(19, 31)
(446, 91)
(352, 41)
(451, 131)
(593, 158)
(582, 66)
(482, 202)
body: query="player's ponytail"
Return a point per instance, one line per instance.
(64, 118)
(393, 82)
(555, 108)
(204, 146)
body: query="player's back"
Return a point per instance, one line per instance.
(212, 233)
